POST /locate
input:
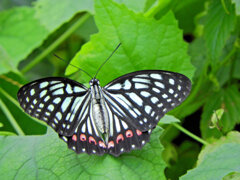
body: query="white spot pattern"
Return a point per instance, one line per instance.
(136, 98)
(148, 109)
(171, 81)
(32, 92)
(69, 89)
(127, 85)
(156, 76)
(66, 103)
(158, 84)
(43, 93)
(43, 84)
(58, 92)
(140, 86)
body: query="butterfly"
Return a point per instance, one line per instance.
(113, 119)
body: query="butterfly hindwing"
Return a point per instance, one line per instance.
(123, 137)
(143, 97)
(86, 137)
(58, 101)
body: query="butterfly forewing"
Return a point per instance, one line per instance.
(141, 98)
(58, 101)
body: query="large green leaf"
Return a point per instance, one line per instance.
(47, 157)
(146, 44)
(218, 27)
(229, 100)
(20, 33)
(25, 28)
(217, 160)
(59, 11)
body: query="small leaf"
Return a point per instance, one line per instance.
(232, 176)
(216, 118)
(168, 119)
(218, 27)
(48, 157)
(229, 100)
(217, 160)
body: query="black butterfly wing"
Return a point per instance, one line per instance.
(123, 137)
(143, 97)
(60, 102)
(86, 138)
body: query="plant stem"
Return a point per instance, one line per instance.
(224, 7)
(10, 98)
(190, 134)
(11, 118)
(154, 10)
(50, 48)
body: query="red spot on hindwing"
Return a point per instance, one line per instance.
(102, 144)
(129, 133)
(74, 137)
(92, 140)
(110, 144)
(83, 137)
(119, 138)
(138, 132)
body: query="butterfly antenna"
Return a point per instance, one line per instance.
(107, 59)
(74, 66)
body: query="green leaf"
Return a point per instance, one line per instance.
(186, 11)
(237, 6)
(232, 176)
(218, 159)
(229, 100)
(24, 28)
(236, 67)
(168, 119)
(47, 157)
(218, 27)
(7, 133)
(136, 5)
(10, 84)
(197, 52)
(59, 11)
(187, 154)
(146, 44)
(20, 33)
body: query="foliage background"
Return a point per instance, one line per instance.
(198, 38)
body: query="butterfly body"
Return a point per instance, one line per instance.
(99, 110)
(114, 119)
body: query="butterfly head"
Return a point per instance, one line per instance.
(94, 81)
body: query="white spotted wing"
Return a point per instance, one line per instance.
(60, 102)
(141, 98)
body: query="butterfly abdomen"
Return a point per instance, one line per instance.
(99, 111)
